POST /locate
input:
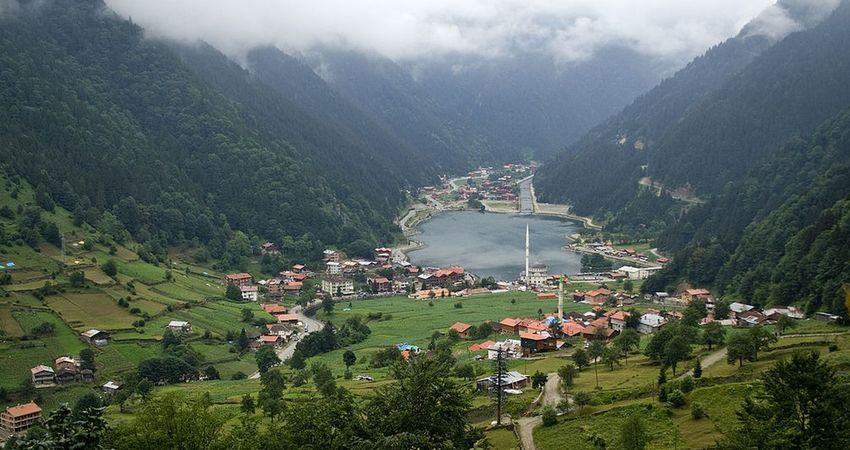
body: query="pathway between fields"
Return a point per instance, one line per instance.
(551, 396)
(310, 325)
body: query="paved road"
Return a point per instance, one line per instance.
(551, 397)
(310, 325)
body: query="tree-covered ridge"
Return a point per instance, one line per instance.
(780, 235)
(98, 115)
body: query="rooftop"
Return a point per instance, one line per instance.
(23, 410)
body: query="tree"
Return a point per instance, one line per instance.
(247, 405)
(144, 388)
(465, 371)
(87, 359)
(64, 430)
(582, 399)
(110, 268)
(761, 340)
(785, 323)
(247, 314)
(328, 305)
(739, 346)
(242, 341)
(633, 319)
(270, 397)
(77, 279)
(698, 369)
(677, 349)
(694, 312)
(628, 286)
(626, 341)
(233, 293)
(397, 418)
(804, 405)
(538, 380)
(266, 358)
(721, 309)
(85, 404)
(550, 416)
(349, 358)
(169, 339)
(581, 359)
(567, 373)
(212, 373)
(596, 350)
(633, 435)
(611, 357)
(713, 334)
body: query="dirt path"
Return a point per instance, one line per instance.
(551, 396)
(310, 325)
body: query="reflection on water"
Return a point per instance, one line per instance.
(494, 244)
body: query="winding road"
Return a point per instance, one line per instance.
(310, 325)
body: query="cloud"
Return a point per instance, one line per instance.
(411, 30)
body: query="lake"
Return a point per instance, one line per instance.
(493, 245)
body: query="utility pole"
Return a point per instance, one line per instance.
(499, 373)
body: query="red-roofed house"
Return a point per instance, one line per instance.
(533, 343)
(597, 297)
(571, 329)
(601, 322)
(238, 279)
(272, 339)
(546, 296)
(617, 321)
(16, 419)
(510, 325)
(462, 329)
(532, 326)
(482, 346)
(274, 309)
(287, 318)
(380, 285)
(592, 333)
(695, 294)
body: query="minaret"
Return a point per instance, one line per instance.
(527, 282)
(561, 299)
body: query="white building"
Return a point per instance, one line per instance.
(337, 285)
(638, 273)
(179, 326)
(250, 293)
(537, 275)
(650, 323)
(333, 268)
(511, 348)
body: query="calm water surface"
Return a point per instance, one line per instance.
(493, 245)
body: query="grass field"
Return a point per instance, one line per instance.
(415, 321)
(8, 324)
(502, 439)
(91, 310)
(96, 276)
(124, 356)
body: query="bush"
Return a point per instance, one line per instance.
(43, 329)
(239, 376)
(550, 416)
(109, 268)
(833, 347)
(676, 398)
(687, 384)
(696, 411)
(458, 305)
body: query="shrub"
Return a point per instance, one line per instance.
(550, 416)
(687, 384)
(696, 411)
(676, 398)
(239, 376)
(833, 347)
(458, 305)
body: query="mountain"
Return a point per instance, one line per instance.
(780, 235)
(534, 104)
(689, 131)
(190, 144)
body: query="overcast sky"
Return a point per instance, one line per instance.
(407, 30)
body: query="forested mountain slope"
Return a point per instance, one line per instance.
(713, 120)
(96, 114)
(780, 236)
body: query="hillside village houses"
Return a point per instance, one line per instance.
(65, 370)
(96, 337)
(250, 293)
(17, 419)
(179, 326)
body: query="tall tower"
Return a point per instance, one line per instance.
(561, 299)
(527, 282)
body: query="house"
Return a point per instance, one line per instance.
(738, 308)
(690, 295)
(617, 321)
(470, 292)
(87, 376)
(64, 376)
(273, 309)
(42, 375)
(287, 318)
(293, 288)
(547, 296)
(250, 292)
(274, 288)
(65, 362)
(332, 256)
(600, 322)
(271, 339)
(509, 380)
(531, 326)
(380, 285)
(383, 254)
(111, 387)
(299, 268)
(337, 286)
(637, 273)
(571, 328)
(462, 329)
(827, 317)
(597, 297)
(238, 279)
(509, 325)
(269, 248)
(662, 260)
(650, 323)
(96, 337)
(592, 333)
(482, 346)
(751, 318)
(179, 326)
(333, 268)
(17, 419)
(284, 330)
(790, 311)
(510, 348)
(532, 343)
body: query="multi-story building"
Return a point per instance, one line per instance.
(17, 419)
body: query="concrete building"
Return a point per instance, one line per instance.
(250, 293)
(43, 375)
(336, 286)
(537, 275)
(179, 326)
(17, 419)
